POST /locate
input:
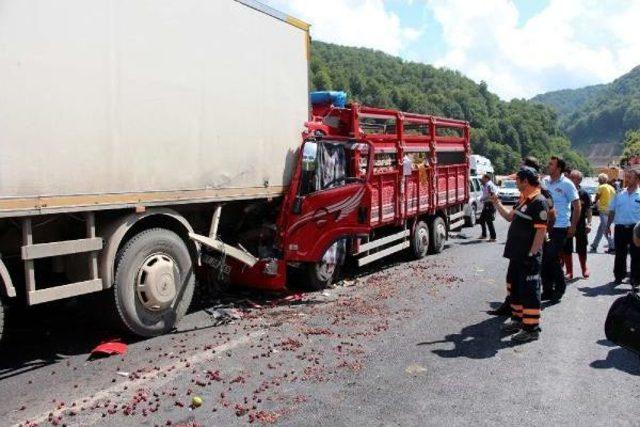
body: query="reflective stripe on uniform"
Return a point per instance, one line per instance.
(522, 215)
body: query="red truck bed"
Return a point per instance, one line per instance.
(437, 149)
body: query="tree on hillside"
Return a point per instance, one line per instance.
(631, 144)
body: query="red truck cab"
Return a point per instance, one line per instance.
(368, 183)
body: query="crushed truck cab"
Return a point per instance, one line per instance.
(368, 183)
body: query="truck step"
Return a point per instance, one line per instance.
(382, 241)
(64, 291)
(457, 215)
(65, 247)
(456, 225)
(383, 253)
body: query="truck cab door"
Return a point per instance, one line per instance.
(331, 200)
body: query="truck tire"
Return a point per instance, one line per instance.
(154, 282)
(3, 318)
(322, 273)
(470, 220)
(420, 240)
(438, 235)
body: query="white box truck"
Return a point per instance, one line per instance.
(124, 127)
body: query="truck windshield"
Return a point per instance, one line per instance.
(509, 184)
(324, 166)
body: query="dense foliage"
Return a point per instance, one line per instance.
(502, 131)
(632, 144)
(598, 114)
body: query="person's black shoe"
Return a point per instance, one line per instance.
(503, 310)
(546, 296)
(525, 336)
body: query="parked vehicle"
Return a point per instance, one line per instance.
(508, 192)
(473, 208)
(120, 141)
(134, 178)
(480, 165)
(591, 186)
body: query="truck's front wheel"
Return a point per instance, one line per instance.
(322, 273)
(154, 282)
(420, 240)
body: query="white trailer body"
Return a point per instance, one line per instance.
(124, 126)
(118, 102)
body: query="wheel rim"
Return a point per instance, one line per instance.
(441, 232)
(156, 282)
(326, 267)
(422, 238)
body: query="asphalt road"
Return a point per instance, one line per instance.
(402, 343)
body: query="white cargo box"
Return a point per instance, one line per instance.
(122, 102)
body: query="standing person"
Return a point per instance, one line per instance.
(565, 197)
(583, 228)
(529, 161)
(604, 195)
(488, 214)
(624, 212)
(523, 249)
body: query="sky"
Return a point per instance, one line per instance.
(519, 47)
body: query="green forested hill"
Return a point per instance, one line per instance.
(598, 114)
(502, 131)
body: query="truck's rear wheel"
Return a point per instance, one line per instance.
(438, 235)
(420, 240)
(3, 314)
(322, 273)
(154, 282)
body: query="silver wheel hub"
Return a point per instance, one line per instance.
(156, 282)
(423, 237)
(327, 265)
(441, 232)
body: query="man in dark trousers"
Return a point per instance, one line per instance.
(505, 308)
(488, 214)
(624, 212)
(582, 230)
(566, 205)
(524, 250)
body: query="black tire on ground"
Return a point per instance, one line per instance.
(154, 282)
(420, 240)
(3, 314)
(470, 221)
(322, 273)
(438, 235)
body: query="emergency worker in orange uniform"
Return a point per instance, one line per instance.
(523, 248)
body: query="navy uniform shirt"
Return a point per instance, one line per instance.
(626, 207)
(530, 214)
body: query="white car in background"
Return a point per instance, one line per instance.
(473, 208)
(508, 192)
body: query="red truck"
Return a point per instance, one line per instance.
(368, 183)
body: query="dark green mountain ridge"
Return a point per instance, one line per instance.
(502, 131)
(598, 115)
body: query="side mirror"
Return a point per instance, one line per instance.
(297, 204)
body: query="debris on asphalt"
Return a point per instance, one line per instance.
(223, 316)
(415, 369)
(196, 402)
(108, 348)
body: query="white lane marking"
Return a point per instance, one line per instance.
(118, 390)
